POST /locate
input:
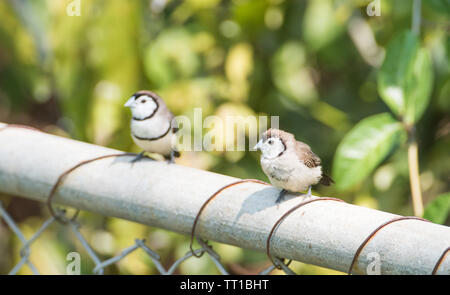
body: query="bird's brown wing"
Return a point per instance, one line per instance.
(306, 155)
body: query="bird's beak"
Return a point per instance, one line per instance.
(130, 102)
(258, 145)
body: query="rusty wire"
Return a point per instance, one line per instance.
(214, 195)
(281, 219)
(440, 260)
(374, 232)
(62, 177)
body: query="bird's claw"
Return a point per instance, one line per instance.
(171, 158)
(138, 157)
(308, 194)
(281, 196)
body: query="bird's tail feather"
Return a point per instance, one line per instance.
(326, 180)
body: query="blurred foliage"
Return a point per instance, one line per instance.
(438, 210)
(298, 60)
(404, 83)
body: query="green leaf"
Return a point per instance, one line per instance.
(405, 79)
(364, 147)
(419, 86)
(321, 23)
(438, 209)
(396, 67)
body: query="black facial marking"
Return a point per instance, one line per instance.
(152, 96)
(270, 141)
(284, 147)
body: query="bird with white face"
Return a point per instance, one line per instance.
(153, 126)
(289, 164)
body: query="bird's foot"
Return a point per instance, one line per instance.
(281, 196)
(171, 158)
(308, 194)
(138, 157)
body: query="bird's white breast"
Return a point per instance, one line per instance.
(150, 129)
(289, 173)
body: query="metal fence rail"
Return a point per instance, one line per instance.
(326, 233)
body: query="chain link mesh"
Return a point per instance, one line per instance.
(100, 265)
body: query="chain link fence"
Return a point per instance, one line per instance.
(100, 265)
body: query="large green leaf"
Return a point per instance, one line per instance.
(406, 77)
(396, 67)
(419, 86)
(438, 210)
(364, 147)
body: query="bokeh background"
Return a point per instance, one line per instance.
(312, 63)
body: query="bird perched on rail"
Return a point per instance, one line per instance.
(153, 126)
(289, 164)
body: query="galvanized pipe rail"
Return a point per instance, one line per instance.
(169, 196)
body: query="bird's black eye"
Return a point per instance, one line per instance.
(270, 141)
(143, 101)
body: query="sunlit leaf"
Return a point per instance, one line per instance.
(291, 74)
(364, 147)
(322, 23)
(396, 66)
(438, 209)
(405, 78)
(420, 86)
